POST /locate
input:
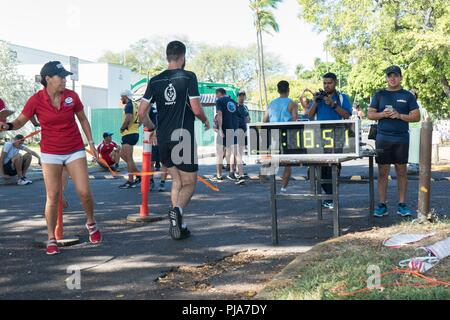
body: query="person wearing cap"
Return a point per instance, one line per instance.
(393, 108)
(130, 137)
(62, 147)
(13, 163)
(109, 151)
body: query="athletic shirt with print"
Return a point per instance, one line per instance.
(230, 118)
(60, 133)
(172, 90)
(131, 108)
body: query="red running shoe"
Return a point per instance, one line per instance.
(52, 247)
(94, 233)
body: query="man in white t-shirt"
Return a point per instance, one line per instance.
(13, 163)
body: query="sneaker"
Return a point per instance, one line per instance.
(52, 247)
(403, 210)
(381, 211)
(283, 190)
(328, 204)
(231, 176)
(28, 180)
(245, 176)
(216, 179)
(152, 185)
(137, 181)
(185, 233)
(239, 180)
(162, 187)
(22, 182)
(94, 233)
(127, 185)
(176, 221)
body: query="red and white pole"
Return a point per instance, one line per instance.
(145, 178)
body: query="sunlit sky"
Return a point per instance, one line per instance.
(88, 28)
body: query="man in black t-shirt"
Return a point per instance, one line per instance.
(228, 124)
(175, 92)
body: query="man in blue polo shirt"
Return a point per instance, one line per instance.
(333, 105)
(394, 108)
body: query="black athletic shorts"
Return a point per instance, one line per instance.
(155, 154)
(8, 169)
(392, 152)
(165, 156)
(131, 139)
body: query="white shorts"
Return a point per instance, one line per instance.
(62, 159)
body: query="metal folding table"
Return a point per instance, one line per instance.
(315, 164)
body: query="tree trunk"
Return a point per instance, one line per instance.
(259, 69)
(263, 73)
(445, 86)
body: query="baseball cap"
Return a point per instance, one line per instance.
(54, 68)
(107, 134)
(2, 105)
(18, 137)
(126, 93)
(242, 92)
(394, 69)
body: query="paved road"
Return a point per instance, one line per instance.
(133, 256)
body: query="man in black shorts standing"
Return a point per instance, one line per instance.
(394, 108)
(175, 92)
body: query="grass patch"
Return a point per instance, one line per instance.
(341, 265)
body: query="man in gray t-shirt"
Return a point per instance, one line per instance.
(12, 163)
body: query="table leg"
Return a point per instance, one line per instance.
(335, 178)
(273, 205)
(371, 192)
(318, 173)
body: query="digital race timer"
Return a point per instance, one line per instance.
(294, 140)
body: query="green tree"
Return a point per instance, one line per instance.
(14, 88)
(373, 34)
(264, 22)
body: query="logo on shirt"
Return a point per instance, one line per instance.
(231, 107)
(68, 102)
(170, 94)
(401, 100)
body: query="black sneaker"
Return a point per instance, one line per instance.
(176, 220)
(137, 181)
(231, 176)
(185, 233)
(127, 185)
(162, 187)
(152, 185)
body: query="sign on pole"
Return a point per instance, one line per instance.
(74, 68)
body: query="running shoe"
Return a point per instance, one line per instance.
(137, 181)
(216, 179)
(152, 185)
(176, 221)
(239, 180)
(283, 190)
(232, 176)
(94, 233)
(28, 180)
(22, 182)
(403, 210)
(381, 211)
(328, 204)
(52, 247)
(127, 185)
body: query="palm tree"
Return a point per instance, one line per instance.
(264, 20)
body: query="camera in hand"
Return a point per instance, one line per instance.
(319, 96)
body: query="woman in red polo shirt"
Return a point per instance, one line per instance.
(61, 145)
